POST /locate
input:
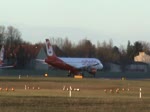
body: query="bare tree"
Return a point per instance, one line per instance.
(85, 48)
(13, 36)
(67, 47)
(2, 34)
(146, 47)
(104, 51)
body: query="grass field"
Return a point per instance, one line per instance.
(95, 95)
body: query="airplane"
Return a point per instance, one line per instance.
(75, 66)
(3, 65)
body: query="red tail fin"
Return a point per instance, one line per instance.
(49, 49)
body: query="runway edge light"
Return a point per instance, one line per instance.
(46, 75)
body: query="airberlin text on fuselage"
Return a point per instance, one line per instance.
(88, 62)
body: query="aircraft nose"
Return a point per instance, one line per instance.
(101, 66)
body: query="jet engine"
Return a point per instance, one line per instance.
(92, 71)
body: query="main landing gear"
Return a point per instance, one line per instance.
(69, 73)
(76, 74)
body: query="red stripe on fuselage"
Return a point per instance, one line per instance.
(58, 63)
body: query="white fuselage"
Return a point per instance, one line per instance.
(83, 62)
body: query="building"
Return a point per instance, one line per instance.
(41, 65)
(137, 67)
(142, 57)
(115, 67)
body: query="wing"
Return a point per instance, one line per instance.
(6, 66)
(41, 61)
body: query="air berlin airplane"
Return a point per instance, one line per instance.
(75, 66)
(2, 65)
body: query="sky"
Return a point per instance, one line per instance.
(96, 20)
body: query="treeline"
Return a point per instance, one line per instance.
(17, 51)
(104, 51)
(22, 52)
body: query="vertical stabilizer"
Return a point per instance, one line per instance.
(49, 49)
(2, 53)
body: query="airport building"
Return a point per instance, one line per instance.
(144, 61)
(142, 57)
(41, 65)
(141, 64)
(137, 67)
(112, 67)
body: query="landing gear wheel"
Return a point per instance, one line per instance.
(94, 75)
(69, 74)
(82, 74)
